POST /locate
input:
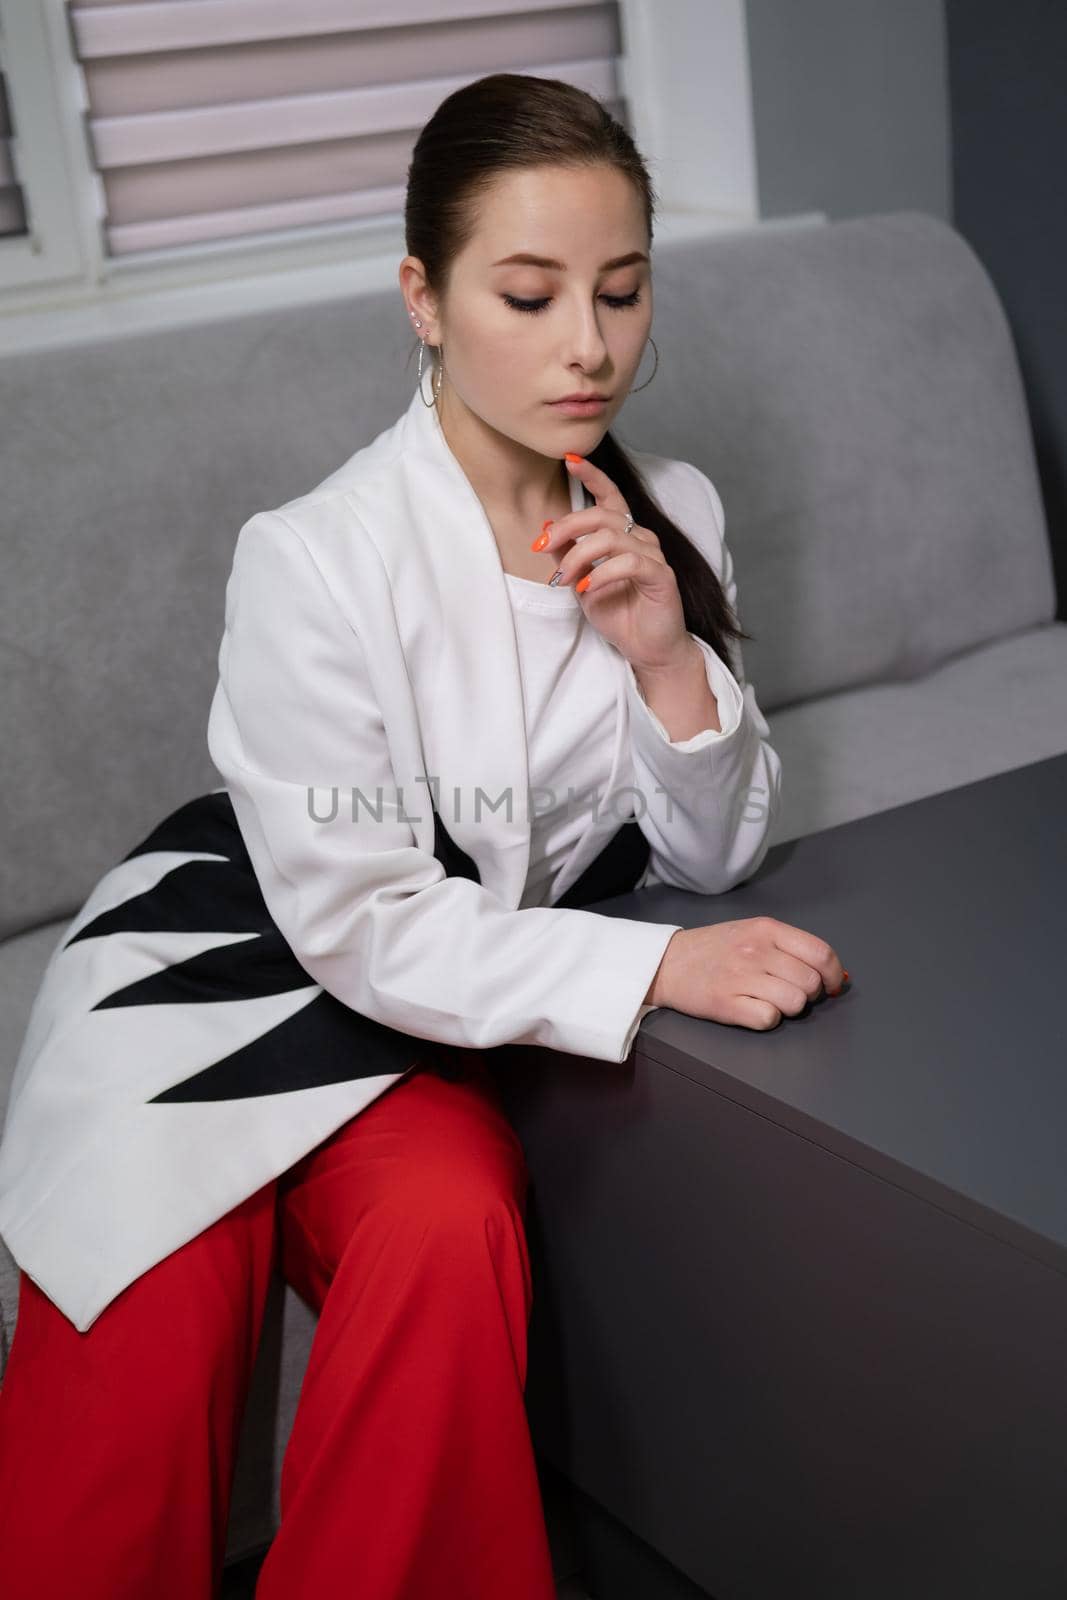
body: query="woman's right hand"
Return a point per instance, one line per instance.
(750, 972)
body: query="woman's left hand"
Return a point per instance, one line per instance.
(631, 597)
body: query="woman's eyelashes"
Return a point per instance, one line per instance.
(616, 301)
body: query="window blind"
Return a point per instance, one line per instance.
(12, 206)
(215, 119)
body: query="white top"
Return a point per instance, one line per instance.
(569, 697)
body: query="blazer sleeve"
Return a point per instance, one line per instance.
(368, 914)
(710, 801)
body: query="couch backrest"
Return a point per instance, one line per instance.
(851, 389)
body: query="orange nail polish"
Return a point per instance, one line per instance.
(580, 588)
(844, 977)
(570, 456)
(540, 542)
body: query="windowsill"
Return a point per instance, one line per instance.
(207, 286)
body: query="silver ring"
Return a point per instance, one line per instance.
(629, 522)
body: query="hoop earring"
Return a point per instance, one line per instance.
(648, 380)
(436, 384)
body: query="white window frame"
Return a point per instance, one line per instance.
(691, 111)
(59, 285)
(46, 106)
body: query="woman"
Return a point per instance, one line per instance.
(475, 680)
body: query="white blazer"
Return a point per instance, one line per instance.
(369, 655)
(370, 644)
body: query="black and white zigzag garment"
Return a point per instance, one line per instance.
(178, 1057)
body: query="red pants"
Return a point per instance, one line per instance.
(410, 1472)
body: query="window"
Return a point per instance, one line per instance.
(187, 159)
(215, 119)
(45, 247)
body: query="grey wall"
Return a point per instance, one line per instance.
(955, 107)
(850, 101)
(1008, 78)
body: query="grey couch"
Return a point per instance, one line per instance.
(852, 390)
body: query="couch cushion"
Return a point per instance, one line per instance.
(987, 710)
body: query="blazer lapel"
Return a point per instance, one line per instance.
(457, 632)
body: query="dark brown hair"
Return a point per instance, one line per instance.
(509, 120)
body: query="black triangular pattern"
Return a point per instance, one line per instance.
(325, 1042)
(206, 823)
(456, 862)
(616, 870)
(245, 970)
(193, 897)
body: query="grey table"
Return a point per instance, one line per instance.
(800, 1308)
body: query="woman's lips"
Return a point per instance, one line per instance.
(578, 408)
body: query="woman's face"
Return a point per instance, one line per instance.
(588, 332)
